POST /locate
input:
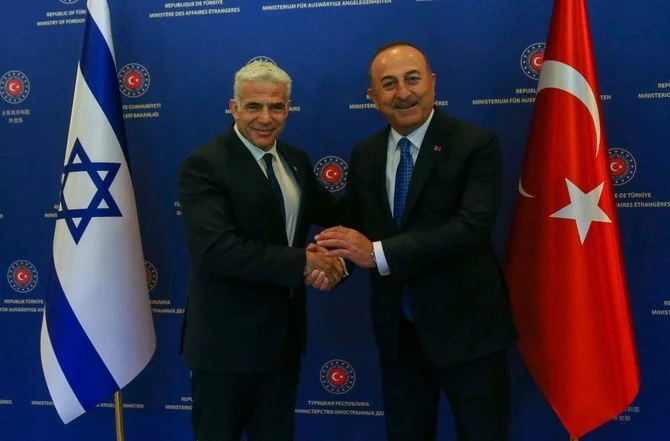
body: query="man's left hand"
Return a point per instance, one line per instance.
(347, 243)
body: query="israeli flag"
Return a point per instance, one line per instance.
(97, 329)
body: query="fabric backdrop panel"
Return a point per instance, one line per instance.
(185, 55)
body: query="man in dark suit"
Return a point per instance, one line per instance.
(248, 201)
(422, 196)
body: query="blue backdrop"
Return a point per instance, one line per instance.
(176, 62)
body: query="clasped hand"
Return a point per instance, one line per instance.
(348, 244)
(335, 243)
(321, 271)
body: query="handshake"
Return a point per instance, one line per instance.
(324, 267)
(321, 271)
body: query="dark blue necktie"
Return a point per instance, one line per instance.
(274, 183)
(403, 176)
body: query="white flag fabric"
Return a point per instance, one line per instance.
(97, 329)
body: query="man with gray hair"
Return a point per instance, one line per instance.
(248, 201)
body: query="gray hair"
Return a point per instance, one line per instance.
(261, 71)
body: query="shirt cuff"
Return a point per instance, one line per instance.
(344, 265)
(382, 265)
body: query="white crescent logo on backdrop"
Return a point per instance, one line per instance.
(133, 80)
(22, 276)
(562, 76)
(13, 87)
(330, 173)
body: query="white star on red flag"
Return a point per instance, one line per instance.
(583, 208)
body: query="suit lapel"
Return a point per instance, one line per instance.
(376, 180)
(244, 163)
(434, 144)
(294, 164)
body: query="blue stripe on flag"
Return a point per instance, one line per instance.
(84, 370)
(99, 71)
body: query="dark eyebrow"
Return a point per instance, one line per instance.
(405, 75)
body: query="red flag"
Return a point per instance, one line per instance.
(565, 265)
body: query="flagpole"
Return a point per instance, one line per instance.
(118, 413)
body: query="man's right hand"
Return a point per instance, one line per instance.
(322, 272)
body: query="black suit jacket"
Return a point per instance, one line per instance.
(245, 280)
(443, 256)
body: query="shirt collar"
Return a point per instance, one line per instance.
(416, 137)
(257, 152)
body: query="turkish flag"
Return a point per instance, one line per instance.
(565, 263)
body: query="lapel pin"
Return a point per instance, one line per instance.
(437, 148)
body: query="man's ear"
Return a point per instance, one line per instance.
(232, 105)
(372, 95)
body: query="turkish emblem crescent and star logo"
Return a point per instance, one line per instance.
(22, 276)
(337, 376)
(584, 208)
(332, 171)
(102, 203)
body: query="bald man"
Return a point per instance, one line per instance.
(422, 196)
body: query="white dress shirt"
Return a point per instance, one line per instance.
(392, 160)
(286, 179)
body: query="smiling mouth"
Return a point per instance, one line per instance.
(405, 106)
(406, 110)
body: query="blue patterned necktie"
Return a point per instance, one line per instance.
(403, 176)
(274, 183)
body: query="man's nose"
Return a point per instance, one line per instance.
(403, 91)
(265, 115)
